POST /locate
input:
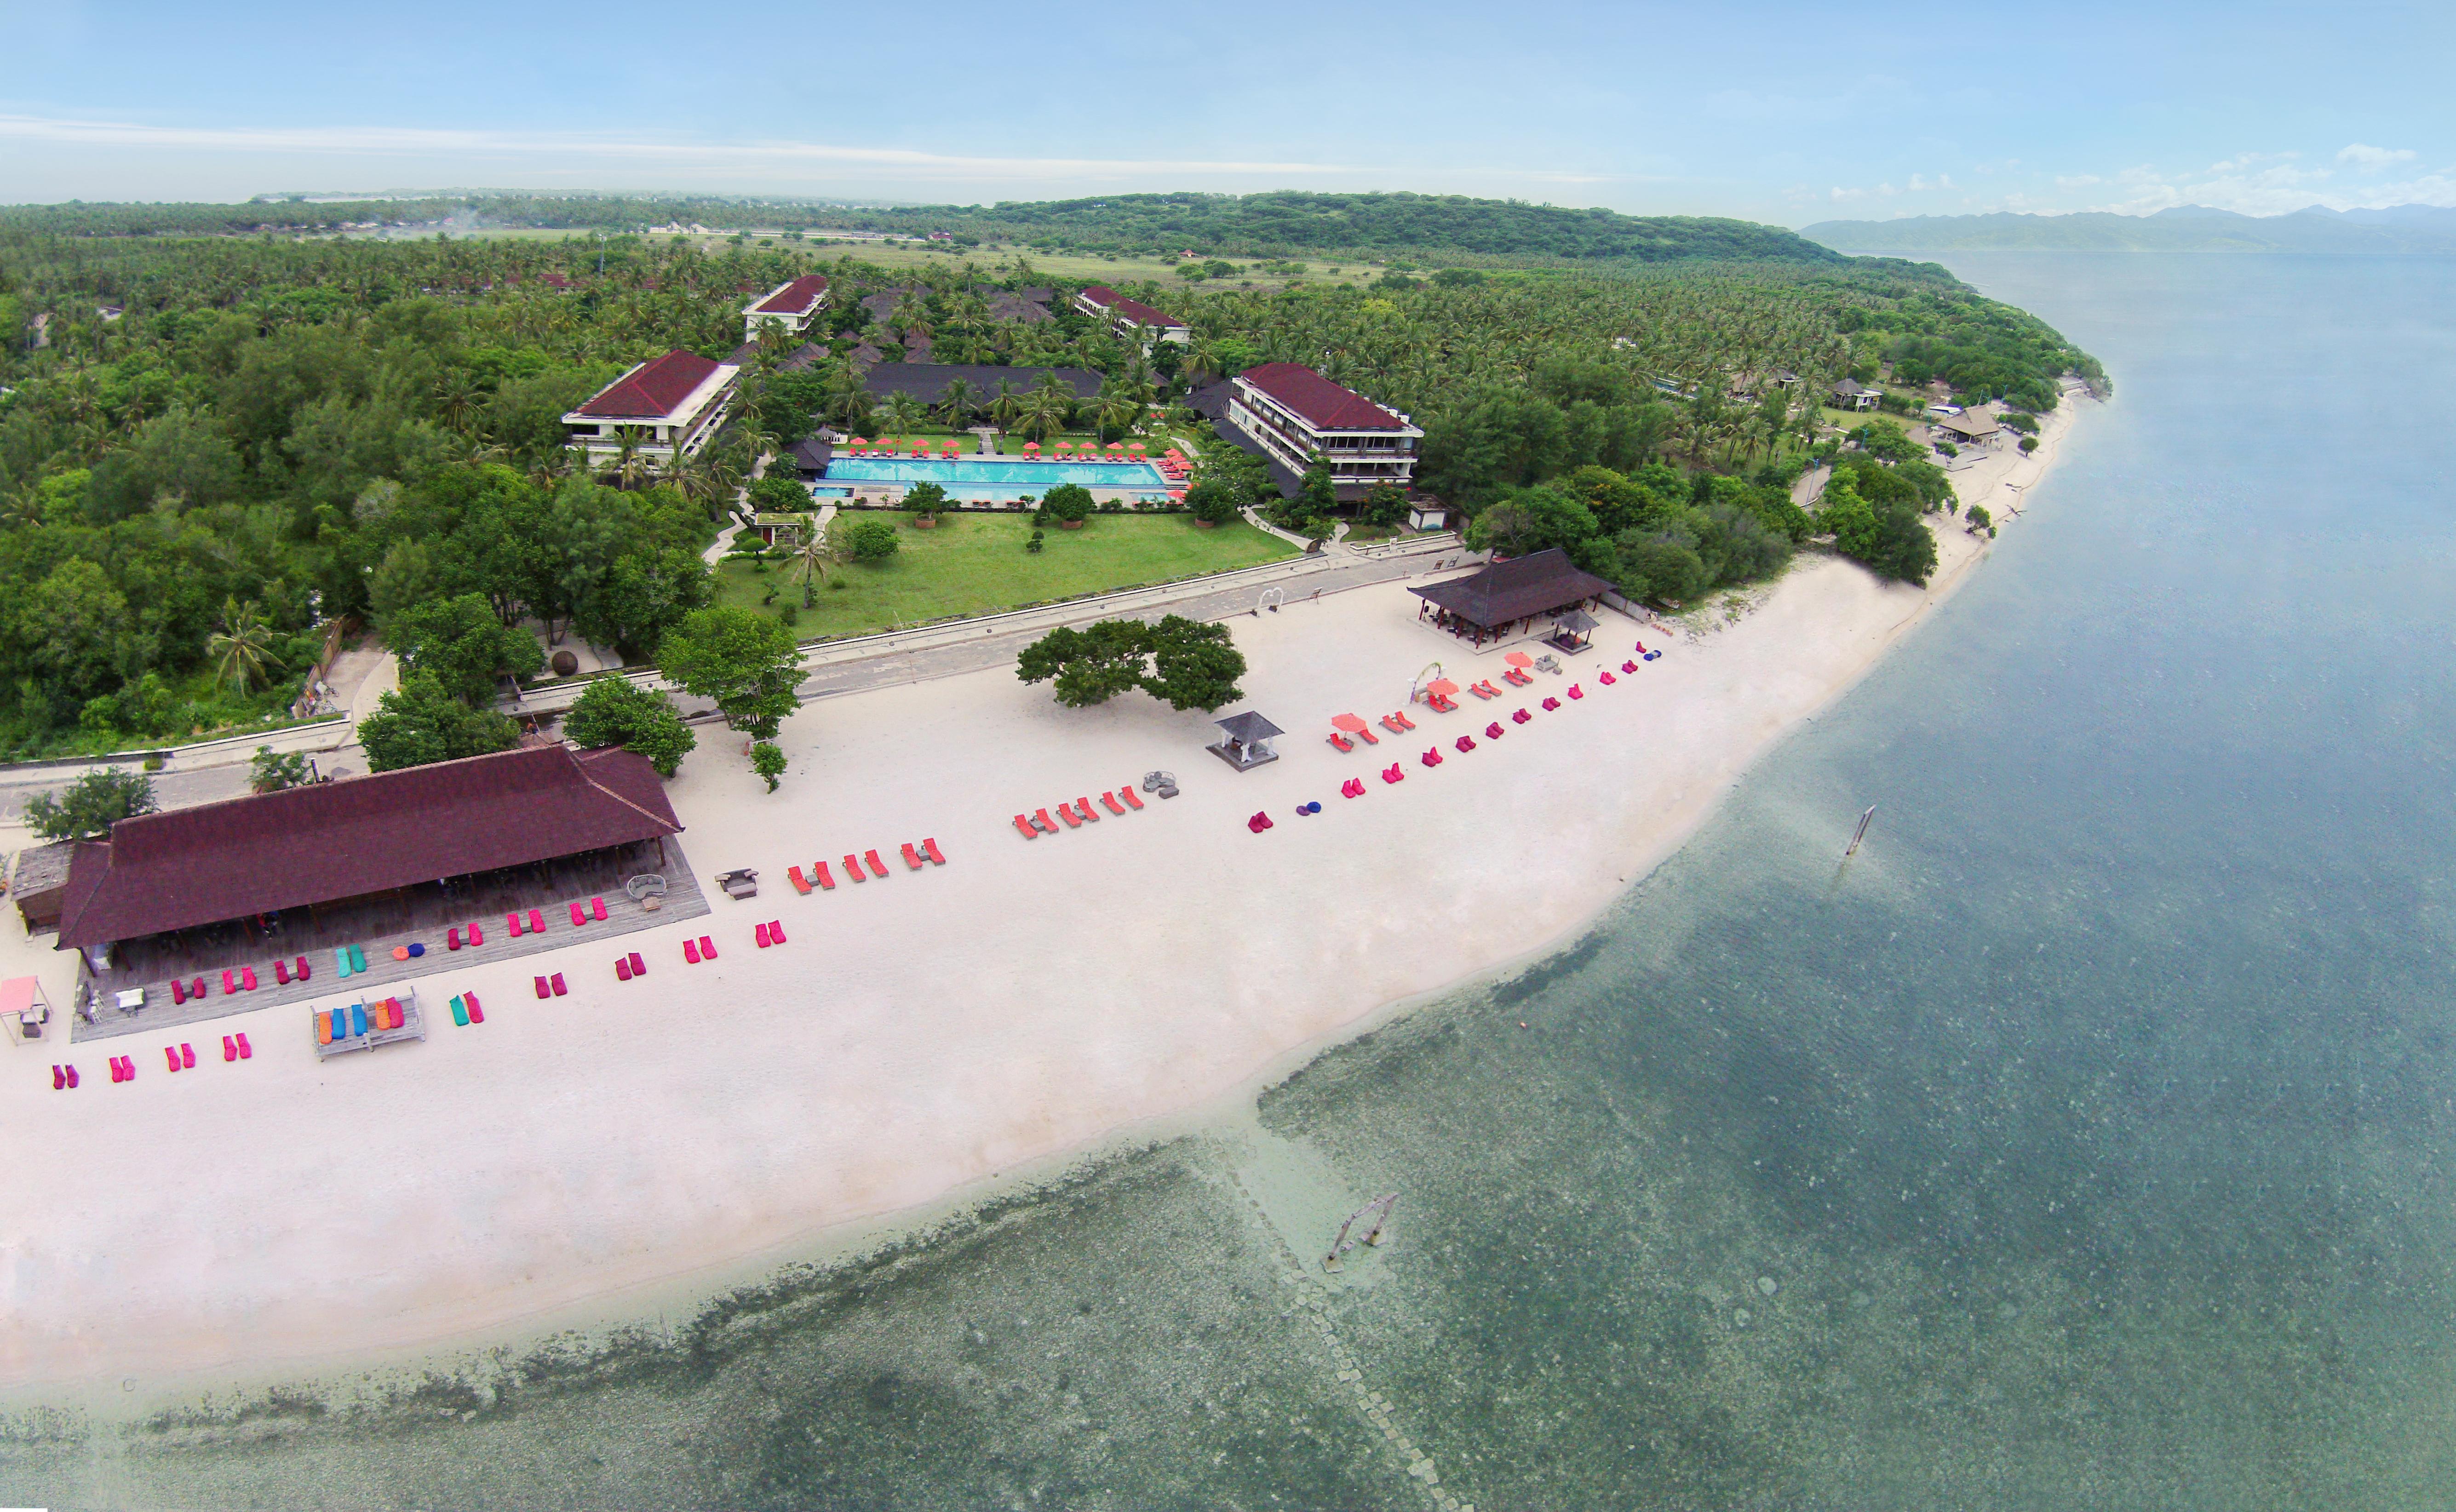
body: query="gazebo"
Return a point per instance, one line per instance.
(1505, 598)
(1573, 633)
(1245, 740)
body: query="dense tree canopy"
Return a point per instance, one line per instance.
(1183, 662)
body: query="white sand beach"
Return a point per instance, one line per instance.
(1026, 1003)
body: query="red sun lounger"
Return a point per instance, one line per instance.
(1024, 824)
(1041, 820)
(1110, 801)
(1390, 723)
(1400, 715)
(543, 988)
(706, 948)
(761, 935)
(690, 952)
(622, 969)
(853, 868)
(475, 935)
(230, 983)
(178, 991)
(512, 921)
(912, 861)
(793, 875)
(247, 977)
(477, 1014)
(559, 988)
(1083, 806)
(1339, 744)
(281, 972)
(537, 921)
(776, 930)
(597, 909)
(929, 848)
(452, 939)
(820, 874)
(245, 1051)
(578, 915)
(1134, 800)
(877, 868)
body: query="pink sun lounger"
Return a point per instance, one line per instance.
(559, 988)
(247, 977)
(578, 915)
(171, 1054)
(229, 1051)
(1550, 704)
(690, 952)
(475, 936)
(178, 991)
(1520, 717)
(452, 939)
(512, 921)
(1607, 680)
(761, 935)
(230, 983)
(281, 972)
(537, 921)
(1492, 732)
(245, 1051)
(1431, 757)
(776, 932)
(1575, 691)
(621, 969)
(706, 948)
(545, 988)
(477, 1014)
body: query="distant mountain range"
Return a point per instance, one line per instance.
(2409, 229)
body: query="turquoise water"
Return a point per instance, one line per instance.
(2090, 1129)
(974, 472)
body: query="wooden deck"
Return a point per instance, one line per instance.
(419, 914)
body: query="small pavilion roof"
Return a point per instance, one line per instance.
(1248, 728)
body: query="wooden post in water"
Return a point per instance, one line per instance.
(1861, 833)
(1380, 1209)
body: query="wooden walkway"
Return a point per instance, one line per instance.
(420, 915)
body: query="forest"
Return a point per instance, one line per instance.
(212, 448)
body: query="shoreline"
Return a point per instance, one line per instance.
(924, 1044)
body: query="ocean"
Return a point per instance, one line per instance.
(2079, 1143)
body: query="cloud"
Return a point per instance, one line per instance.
(2076, 180)
(605, 149)
(2375, 156)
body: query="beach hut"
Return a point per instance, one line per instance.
(1245, 740)
(1573, 633)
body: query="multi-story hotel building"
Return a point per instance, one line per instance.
(1297, 415)
(672, 404)
(791, 305)
(1101, 302)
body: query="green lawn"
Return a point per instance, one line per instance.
(975, 563)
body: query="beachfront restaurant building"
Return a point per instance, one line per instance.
(1971, 427)
(1295, 416)
(1505, 598)
(665, 408)
(195, 890)
(793, 305)
(1125, 316)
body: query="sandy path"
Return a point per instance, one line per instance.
(1025, 1003)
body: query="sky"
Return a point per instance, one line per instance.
(1782, 113)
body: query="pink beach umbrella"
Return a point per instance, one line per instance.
(1065, 446)
(1031, 448)
(1136, 448)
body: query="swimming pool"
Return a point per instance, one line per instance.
(985, 478)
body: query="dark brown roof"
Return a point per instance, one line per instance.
(927, 381)
(340, 840)
(652, 390)
(1514, 589)
(801, 296)
(1133, 310)
(1326, 404)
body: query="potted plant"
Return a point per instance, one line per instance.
(1070, 505)
(924, 501)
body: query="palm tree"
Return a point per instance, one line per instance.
(243, 647)
(815, 555)
(455, 396)
(904, 412)
(1116, 406)
(959, 402)
(1044, 410)
(1005, 406)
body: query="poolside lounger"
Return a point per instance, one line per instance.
(187, 1057)
(323, 1030)
(761, 935)
(1575, 691)
(597, 909)
(542, 989)
(1083, 806)
(178, 991)
(621, 969)
(877, 868)
(512, 921)
(358, 958)
(537, 921)
(929, 848)
(341, 961)
(1128, 793)
(358, 1020)
(853, 868)
(230, 983)
(578, 915)
(690, 952)
(1339, 744)
(245, 1051)
(776, 930)
(820, 874)
(477, 1014)
(114, 1071)
(60, 1079)
(459, 1014)
(282, 973)
(1480, 690)
(793, 875)
(912, 861)
(197, 989)
(1040, 821)
(558, 988)
(1438, 703)
(706, 948)
(1023, 824)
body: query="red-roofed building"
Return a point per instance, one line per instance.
(1297, 415)
(669, 406)
(791, 305)
(1101, 302)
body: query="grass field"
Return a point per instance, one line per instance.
(975, 563)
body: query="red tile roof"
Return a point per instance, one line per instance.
(799, 297)
(652, 390)
(340, 840)
(1327, 405)
(1133, 310)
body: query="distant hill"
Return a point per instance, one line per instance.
(1267, 225)
(2405, 229)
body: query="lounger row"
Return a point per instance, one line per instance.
(1077, 814)
(367, 1024)
(923, 853)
